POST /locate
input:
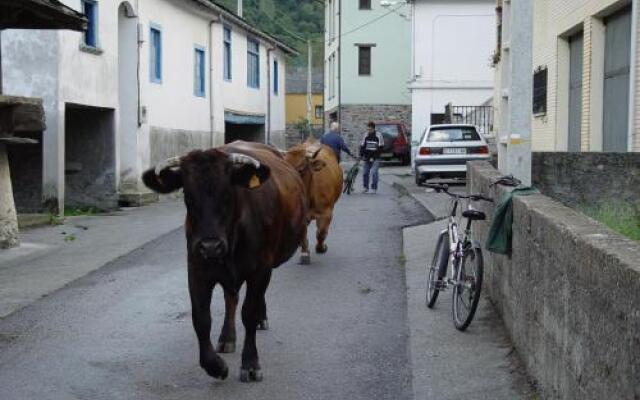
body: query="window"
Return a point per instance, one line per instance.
(365, 4)
(364, 60)
(155, 54)
(453, 134)
(253, 63)
(198, 73)
(90, 9)
(319, 110)
(540, 90)
(276, 80)
(227, 53)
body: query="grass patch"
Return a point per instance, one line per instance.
(622, 218)
(80, 211)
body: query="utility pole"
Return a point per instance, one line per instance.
(240, 8)
(309, 83)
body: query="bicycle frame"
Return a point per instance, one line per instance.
(456, 243)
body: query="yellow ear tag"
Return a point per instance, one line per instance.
(254, 182)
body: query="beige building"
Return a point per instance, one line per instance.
(586, 95)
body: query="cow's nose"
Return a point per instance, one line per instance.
(212, 248)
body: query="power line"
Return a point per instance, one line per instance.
(391, 11)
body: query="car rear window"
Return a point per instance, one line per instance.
(454, 134)
(388, 131)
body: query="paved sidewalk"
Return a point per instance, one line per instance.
(447, 364)
(51, 257)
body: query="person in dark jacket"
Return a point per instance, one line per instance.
(335, 141)
(370, 149)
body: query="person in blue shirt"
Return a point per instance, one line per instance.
(335, 141)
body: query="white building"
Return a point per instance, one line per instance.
(367, 64)
(453, 41)
(148, 80)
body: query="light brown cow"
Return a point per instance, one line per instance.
(322, 178)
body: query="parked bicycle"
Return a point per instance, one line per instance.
(465, 257)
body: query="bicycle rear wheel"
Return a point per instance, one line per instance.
(438, 269)
(466, 292)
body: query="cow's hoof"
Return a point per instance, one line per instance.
(226, 347)
(321, 249)
(263, 325)
(217, 368)
(250, 375)
(305, 259)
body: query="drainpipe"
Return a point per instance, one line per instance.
(267, 138)
(340, 63)
(633, 87)
(211, 100)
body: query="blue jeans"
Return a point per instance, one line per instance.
(370, 166)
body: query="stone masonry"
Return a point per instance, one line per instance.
(355, 118)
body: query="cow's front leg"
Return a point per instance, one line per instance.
(305, 254)
(200, 288)
(251, 314)
(227, 338)
(323, 223)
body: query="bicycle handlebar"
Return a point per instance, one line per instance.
(445, 188)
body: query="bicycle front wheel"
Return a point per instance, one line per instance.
(437, 269)
(466, 291)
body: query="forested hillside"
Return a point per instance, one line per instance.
(286, 19)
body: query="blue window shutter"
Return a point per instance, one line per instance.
(275, 77)
(227, 54)
(155, 54)
(199, 72)
(90, 12)
(253, 63)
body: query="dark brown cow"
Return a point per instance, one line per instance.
(322, 177)
(246, 214)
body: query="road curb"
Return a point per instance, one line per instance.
(400, 188)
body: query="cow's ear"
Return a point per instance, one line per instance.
(248, 176)
(317, 165)
(167, 181)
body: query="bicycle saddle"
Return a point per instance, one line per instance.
(474, 215)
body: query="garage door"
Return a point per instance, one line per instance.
(616, 81)
(575, 92)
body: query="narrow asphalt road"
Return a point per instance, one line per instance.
(338, 326)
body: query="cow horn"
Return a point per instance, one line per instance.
(237, 158)
(312, 152)
(168, 163)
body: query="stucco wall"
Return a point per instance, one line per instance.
(569, 296)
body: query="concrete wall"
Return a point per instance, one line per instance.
(554, 22)
(8, 218)
(331, 53)
(443, 73)
(587, 179)
(296, 107)
(569, 296)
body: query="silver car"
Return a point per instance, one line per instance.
(445, 149)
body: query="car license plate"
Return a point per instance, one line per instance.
(386, 155)
(454, 150)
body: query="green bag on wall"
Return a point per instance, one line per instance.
(501, 231)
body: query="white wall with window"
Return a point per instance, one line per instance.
(146, 66)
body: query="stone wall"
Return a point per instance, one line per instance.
(578, 179)
(569, 295)
(354, 119)
(293, 136)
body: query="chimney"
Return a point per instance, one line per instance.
(240, 8)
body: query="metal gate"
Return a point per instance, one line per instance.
(616, 82)
(480, 116)
(575, 92)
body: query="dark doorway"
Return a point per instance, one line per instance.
(25, 165)
(246, 132)
(90, 157)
